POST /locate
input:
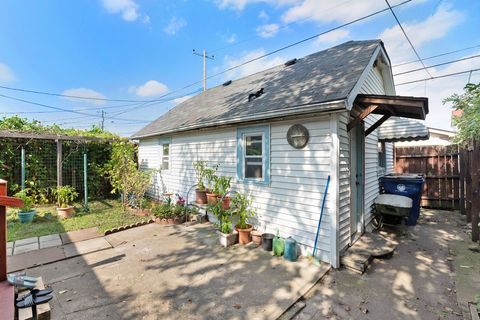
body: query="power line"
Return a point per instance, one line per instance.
(408, 39)
(72, 96)
(438, 77)
(284, 26)
(438, 65)
(437, 56)
(49, 106)
(307, 39)
(145, 103)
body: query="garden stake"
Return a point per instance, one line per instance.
(313, 258)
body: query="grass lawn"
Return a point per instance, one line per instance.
(104, 215)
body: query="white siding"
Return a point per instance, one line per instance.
(293, 199)
(373, 85)
(344, 183)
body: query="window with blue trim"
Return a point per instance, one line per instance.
(253, 154)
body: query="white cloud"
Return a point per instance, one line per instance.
(268, 30)
(239, 5)
(434, 27)
(84, 92)
(181, 99)
(332, 38)
(335, 11)
(263, 16)
(174, 25)
(150, 88)
(6, 74)
(128, 9)
(253, 67)
(232, 38)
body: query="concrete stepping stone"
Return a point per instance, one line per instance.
(87, 246)
(26, 241)
(52, 240)
(34, 258)
(25, 248)
(80, 235)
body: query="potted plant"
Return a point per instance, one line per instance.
(241, 204)
(201, 190)
(222, 187)
(65, 195)
(226, 234)
(25, 213)
(212, 191)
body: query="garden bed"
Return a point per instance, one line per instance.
(105, 215)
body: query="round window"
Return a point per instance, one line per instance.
(297, 136)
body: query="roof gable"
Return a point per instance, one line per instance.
(319, 78)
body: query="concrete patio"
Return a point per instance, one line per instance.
(176, 272)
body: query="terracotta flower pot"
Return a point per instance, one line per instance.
(200, 196)
(225, 202)
(256, 237)
(244, 235)
(66, 212)
(212, 199)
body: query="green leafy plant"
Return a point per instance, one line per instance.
(126, 177)
(211, 177)
(242, 206)
(27, 200)
(65, 196)
(222, 186)
(468, 121)
(200, 167)
(224, 217)
(162, 211)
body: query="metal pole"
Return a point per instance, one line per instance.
(85, 182)
(23, 168)
(204, 70)
(59, 163)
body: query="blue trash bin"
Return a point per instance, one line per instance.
(410, 185)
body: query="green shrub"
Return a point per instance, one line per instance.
(27, 200)
(65, 196)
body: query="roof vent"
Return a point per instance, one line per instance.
(227, 83)
(255, 95)
(290, 62)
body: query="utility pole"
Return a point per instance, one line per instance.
(205, 57)
(103, 119)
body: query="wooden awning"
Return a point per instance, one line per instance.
(388, 106)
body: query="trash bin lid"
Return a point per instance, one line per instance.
(403, 176)
(394, 200)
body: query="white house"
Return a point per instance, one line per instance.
(339, 95)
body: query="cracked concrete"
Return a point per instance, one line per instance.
(176, 272)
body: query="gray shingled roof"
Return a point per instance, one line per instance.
(402, 129)
(325, 76)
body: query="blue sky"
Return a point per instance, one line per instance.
(142, 50)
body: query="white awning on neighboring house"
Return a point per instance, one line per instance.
(402, 129)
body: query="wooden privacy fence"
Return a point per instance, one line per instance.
(452, 177)
(470, 183)
(440, 166)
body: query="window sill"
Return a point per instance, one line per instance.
(255, 182)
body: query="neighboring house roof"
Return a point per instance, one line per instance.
(318, 82)
(402, 129)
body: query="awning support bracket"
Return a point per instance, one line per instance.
(377, 124)
(361, 116)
